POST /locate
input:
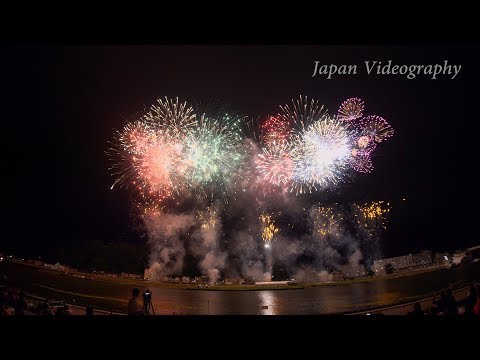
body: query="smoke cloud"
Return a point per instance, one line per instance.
(205, 243)
(167, 248)
(225, 240)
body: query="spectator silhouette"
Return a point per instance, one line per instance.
(440, 305)
(134, 308)
(11, 299)
(451, 305)
(66, 310)
(476, 308)
(417, 310)
(21, 305)
(2, 306)
(470, 301)
(8, 303)
(3, 296)
(60, 311)
(44, 309)
(89, 311)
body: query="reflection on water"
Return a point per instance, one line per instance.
(267, 302)
(314, 300)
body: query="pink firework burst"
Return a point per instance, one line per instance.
(361, 161)
(158, 167)
(376, 127)
(275, 164)
(351, 109)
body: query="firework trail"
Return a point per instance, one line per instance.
(268, 229)
(370, 220)
(326, 221)
(328, 236)
(372, 216)
(205, 243)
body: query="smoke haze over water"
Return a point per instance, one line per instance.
(225, 240)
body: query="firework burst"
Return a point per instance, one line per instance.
(150, 150)
(171, 151)
(172, 117)
(213, 152)
(275, 163)
(361, 161)
(371, 219)
(304, 149)
(321, 154)
(302, 113)
(208, 219)
(351, 109)
(275, 129)
(183, 163)
(326, 221)
(376, 128)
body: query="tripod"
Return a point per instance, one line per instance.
(147, 305)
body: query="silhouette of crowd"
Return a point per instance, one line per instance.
(14, 302)
(445, 304)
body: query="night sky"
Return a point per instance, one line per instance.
(62, 105)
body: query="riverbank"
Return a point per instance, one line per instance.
(343, 297)
(406, 305)
(223, 287)
(250, 287)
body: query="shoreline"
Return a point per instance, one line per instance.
(113, 295)
(223, 287)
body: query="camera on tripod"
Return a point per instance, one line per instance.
(147, 303)
(147, 296)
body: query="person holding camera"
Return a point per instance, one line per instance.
(134, 307)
